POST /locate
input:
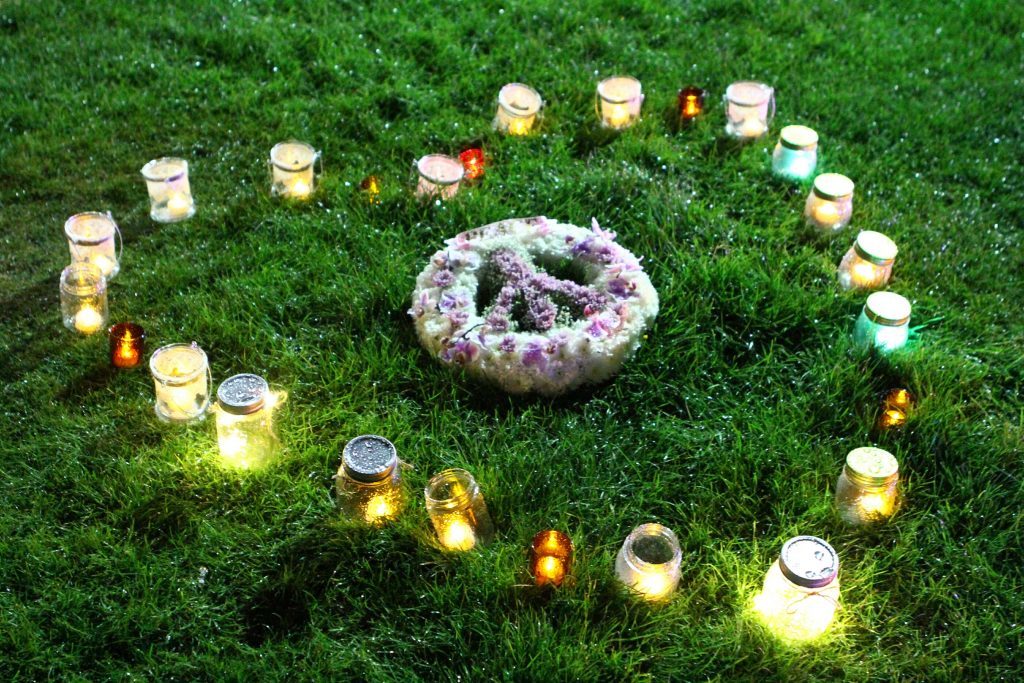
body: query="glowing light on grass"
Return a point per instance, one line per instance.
(649, 562)
(83, 298)
(749, 108)
(796, 153)
(867, 488)
(518, 108)
(170, 195)
(292, 169)
(830, 204)
(457, 510)
(868, 263)
(92, 238)
(369, 481)
(691, 103)
(181, 377)
(884, 323)
(473, 163)
(800, 595)
(127, 345)
(550, 557)
(618, 102)
(245, 432)
(371, 187)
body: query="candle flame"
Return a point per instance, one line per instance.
(550, 570)
(88, 320)
(519, 126)
(458, 535)
(379, 508)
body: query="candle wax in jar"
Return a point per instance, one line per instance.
(177, 205)
(519, 127)
(88, 320)
(379, 508)
(826, 213)
(618, 115)
(752, 127)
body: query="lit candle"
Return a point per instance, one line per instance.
(371, 186)
(518, 108)
(691, 102)
(796, 153)
(292, 165)
(866, 490)
(801, 590)
(245, 430)
(181, 380)
(619, 99)
(830, 203)
(440, 176)
(900, 398)
(88, 320)
(749, 107)
(92, 238)
(457, 510)
(649, 562)
(83, 297)
(178, 205)
(868, 263)
(170, 194)
(473, 163)
(127, 344)
(550, 557)
(457, 534)
(892, 418)
(369, 480)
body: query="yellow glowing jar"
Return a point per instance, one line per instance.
(518, 108)
(291, 169)
(92, 239)
(181, 376)
(868, 263)
(457, 510)
(439, 176)
(829, 206)
(550, 557)
(796, 153)
(619, 99)
(170, 196)
(83, 298)
(369, 480)
(245, 430)
(801, 590)
(867, 489)
(649, 562)
(749, 109)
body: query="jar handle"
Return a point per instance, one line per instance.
(318, 160)
(771, 106)
(118, 237)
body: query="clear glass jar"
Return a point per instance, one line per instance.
(369, 480)
(518, 108)
(457, 510)
(181, 376)
(796, 153)
(245, 431)
(867, 488)
(749, 109)
(801, 590)
(83, 298)
(649, 562)
(440, 176)
(170, 196)
(550, 557)
(830, 204)
(619, 99)
(291, 169)
(884, 323)
(92, 238)
(868, 263)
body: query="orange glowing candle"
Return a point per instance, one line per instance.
(691, 102)
(550, 557)
(127, 345)
(371, 186)
(473, 162)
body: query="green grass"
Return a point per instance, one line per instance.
(126, 552)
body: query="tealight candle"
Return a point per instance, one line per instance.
(291, 167)
(245, 432)
(518, 108)
(649, 562)
(866, 490)
(801, 590)
(796, 153)
(550, 557)
(749, 108)
(182, 380)
(170, 197)
(895, 409)
(83, 298)
(884, 323)
(91, 238)
(472, 163)
(830, 203)
(369, 480)
(457, 510)
(440, 176)
(868, 263)
(618, 100)
(691, 103)
(127, 345)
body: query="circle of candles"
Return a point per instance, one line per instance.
(550, 557)
(170, 196)
(868, 263)
(369, 480)
(127, 345)
(801, 590)
(618, 100)
(649, 562)
(457, 510)
(518, 108)
(830, 203)
(291, 166)
(472, 163)
(440, 176)
(796, 154)
(182, 382)
(91, 239)
(245, 433)
(691, 103)
(749, 108)
(83, 298)
(884, 323)
(866, 490)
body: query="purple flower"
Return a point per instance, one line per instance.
(460, 352)
(533, 356)
(449, 301)
(443, 278)
(508, 344)
(603, 234)
(621, 288)
(457, 318)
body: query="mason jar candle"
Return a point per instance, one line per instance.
(649, 562)
(245, 430)
(291, 169)
(127, 345)
(868, 263)
(801, 590)
(518, 108)
(749, 108)
(830, 203)
(181, 375)
(92, 239)
(170, 197)
(457, 510)
(796, 153)
(618, 101)
(83, 298)
(866, 490)
(884, 323)
(369, 480)
(440, 176)
(550, 557)
(691, 103)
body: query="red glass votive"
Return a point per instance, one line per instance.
(550, 557)
(691, 102)
(473, 162)
(127, 345)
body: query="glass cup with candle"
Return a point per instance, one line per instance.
(796, 153)
(83, 298)
(867, 488)
(550, 557)
(291, 169)
(127, 345)
(749, 108)
(518, 108)
(440, 176)
(91, 238)
(649, 562)
(369, 480)
(245, 431)
(618, 102)
(181, 375)
(457, 510)
(801, 590)
(170, 196)
(830, 204)
(868, 263)
(884, 323)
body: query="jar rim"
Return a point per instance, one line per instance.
(799, 138)
(887, 308)
(749, 98)
(90, 279)
(452, 474)
(452, 163)
(147, 170)
(177, 380)
(648, 530)
(299, 165)
(94, 218)
(511, 109)
(632, 84)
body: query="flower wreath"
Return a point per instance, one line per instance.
(534, 305)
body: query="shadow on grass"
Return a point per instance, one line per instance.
(79, 388)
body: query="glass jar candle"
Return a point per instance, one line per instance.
(550, 557)
(369, 481)
(796, 153)
(749, 108)
(868, 263)
(440, 176)
(884, 323)
(181, 375)
(866, 491)
(83, 298)
(649, 562)
(457, 510)
(91, 239)
(245, 431)
(830, 203)
(127, 345)
(618, 102)
(291, 169)
(518, 108)
(801, 590)
(691, 103)
(170, 197)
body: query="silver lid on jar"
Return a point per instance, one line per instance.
(369, 458)
(242, 394)
(887, 308)
(875, 247)
(833, 186)
(809, 562)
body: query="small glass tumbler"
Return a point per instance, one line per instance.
(830, 204)
(92, 238)
(749, 108)
(291, 169)
(170, 196)
(369, 481)
(181, 375)
(245, 429)
(83, 298)
(550, 557)
(619, 99)
(127, 345)
(868, 263)
(440, 176)
(796, 154)
(801, 590)
(691, 103)
(518, 108)
(867, 488)
(649, 562)
(457, 510)
(884, 323)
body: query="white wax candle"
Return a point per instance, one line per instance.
(88, 320)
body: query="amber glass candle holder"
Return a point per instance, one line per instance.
(127, 345)
(550, 557)
(370, 186)
(896, 407)
(691, 103)
(473, 163)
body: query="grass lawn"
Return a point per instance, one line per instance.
(128, 553)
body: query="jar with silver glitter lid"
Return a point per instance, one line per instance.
(801, 590)
(245, 431)
(369, 480)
